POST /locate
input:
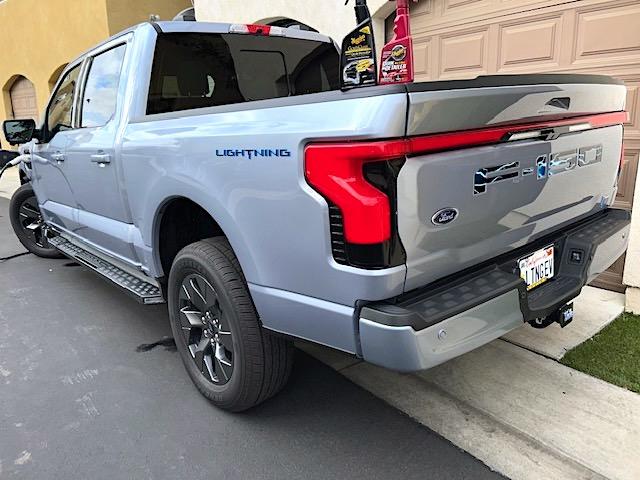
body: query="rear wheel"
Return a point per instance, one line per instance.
(232, 360)
(28, 224)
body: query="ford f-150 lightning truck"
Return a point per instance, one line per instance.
(220, 169)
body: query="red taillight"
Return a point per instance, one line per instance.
(336, 171)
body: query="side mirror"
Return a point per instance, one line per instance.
(19, 131)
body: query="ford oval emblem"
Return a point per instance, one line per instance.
(444, 216)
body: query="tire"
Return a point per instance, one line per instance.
(232, 360)
(24, 212)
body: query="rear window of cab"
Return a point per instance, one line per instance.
(198, 70)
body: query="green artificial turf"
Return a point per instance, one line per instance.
(612, 355)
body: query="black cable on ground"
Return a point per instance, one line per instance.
(11, 257)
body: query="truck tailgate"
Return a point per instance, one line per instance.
(458, 207)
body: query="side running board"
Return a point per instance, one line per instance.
(144, 292)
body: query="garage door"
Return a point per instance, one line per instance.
(466, 38)
(23, 99)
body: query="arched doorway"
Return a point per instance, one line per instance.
(23, 99)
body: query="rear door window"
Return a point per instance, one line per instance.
(197, 70)
(101, 90)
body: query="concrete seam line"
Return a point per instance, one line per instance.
(530, 350)
(342, 369)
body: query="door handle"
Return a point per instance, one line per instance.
(101, 158)
(58, 157)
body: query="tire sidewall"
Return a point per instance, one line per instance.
(187, 263)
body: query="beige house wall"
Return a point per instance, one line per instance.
(124, 13)
(38, 37)
(330, 17)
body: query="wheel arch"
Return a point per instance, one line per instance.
(171, 213)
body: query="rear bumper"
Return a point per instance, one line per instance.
(458, 314)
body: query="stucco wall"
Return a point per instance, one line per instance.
(330, 17)
(37, 37)
(124, 13)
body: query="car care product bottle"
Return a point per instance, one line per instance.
(396, 65)
(358, 65)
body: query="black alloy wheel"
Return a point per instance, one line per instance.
(205, 329)
(32, 223)
(28, 224)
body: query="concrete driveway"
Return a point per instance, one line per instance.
(85, 394)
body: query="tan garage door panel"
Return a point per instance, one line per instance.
(607, 34)
(463, 53)
(430, 14)
(632, 129)
(517, 51)
(575, 36)
(466, 38)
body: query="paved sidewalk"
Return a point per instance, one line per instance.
(9, 244)
(9, 182)
(523, 414)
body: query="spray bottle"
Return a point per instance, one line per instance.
(358, 65)
(396, 65)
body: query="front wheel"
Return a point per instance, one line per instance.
(28, 225)
(232, 360)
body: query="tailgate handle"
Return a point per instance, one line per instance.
(560, 102)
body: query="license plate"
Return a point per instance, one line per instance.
(537, 268)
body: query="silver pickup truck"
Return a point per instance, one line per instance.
(221, 169)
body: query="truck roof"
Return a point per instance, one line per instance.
(210, 27)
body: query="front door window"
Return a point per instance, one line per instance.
(60, 111)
